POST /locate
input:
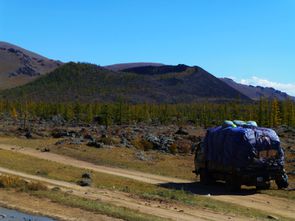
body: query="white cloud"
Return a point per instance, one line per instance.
(289, 88)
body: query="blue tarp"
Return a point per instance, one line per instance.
(236, 146)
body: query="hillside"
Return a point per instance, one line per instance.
(19, 66)
(122, 66)
(89, 83)
(256, 92)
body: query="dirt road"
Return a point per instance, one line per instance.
(135, 175)
(263, 202)
(170, 211)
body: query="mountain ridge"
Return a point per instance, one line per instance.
(91, 83)
(122, 66)
(21, 68)
(257, 92)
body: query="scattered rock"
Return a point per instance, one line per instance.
(272, 217)
(56, 188)
(60, 142)
(76, 141)
(181, 131)
(161, 143)
(86, 175)
(86, 180)
(124, 142)
(291, 172)
(140, 156)
(88, 137)
(41, 173)
(3, 216)
(28, 135)
(45, 149)
(12, 50)
(95, 144)
(60, 133)
(58, 120)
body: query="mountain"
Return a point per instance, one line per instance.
(122, 66)
(148, 84)
(256, 92)
(19, 66)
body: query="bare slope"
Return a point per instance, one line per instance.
(19, 66)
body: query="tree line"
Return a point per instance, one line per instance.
(268, 113)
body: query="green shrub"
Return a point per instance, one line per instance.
(36, 186)
(107, 140)
(183, 146)
(173, 148)
(142, 144)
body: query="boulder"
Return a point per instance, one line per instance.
(60, 133)
(95, 144)
(28, 135)
(86, 180)
(45, 149)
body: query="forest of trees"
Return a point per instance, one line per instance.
(268, 113)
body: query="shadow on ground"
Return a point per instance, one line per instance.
(214, 189)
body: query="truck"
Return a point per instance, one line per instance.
(241, 154)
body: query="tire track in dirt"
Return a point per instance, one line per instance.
(263, 202)
(269, 204)
(173, 212)
(135, 175)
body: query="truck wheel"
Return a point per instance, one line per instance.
(282, 181)
(205, 177)
(233, 185)
(265, 186)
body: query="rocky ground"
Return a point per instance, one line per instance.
(165, 138)
(171, 139)
(287, 136)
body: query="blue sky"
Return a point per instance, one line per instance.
(252, 41)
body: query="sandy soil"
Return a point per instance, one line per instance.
(266, 203)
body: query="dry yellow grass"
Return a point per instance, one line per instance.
(20, 184)
(58, 171)
(162, 164)
(158, 163)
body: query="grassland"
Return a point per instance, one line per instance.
(57, 171)
(96, 206)
(39, 190)
(158, 163)
(163, 164)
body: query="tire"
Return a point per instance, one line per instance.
(233, 184)
(282, 181)
(265, 186)
(205, 177)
